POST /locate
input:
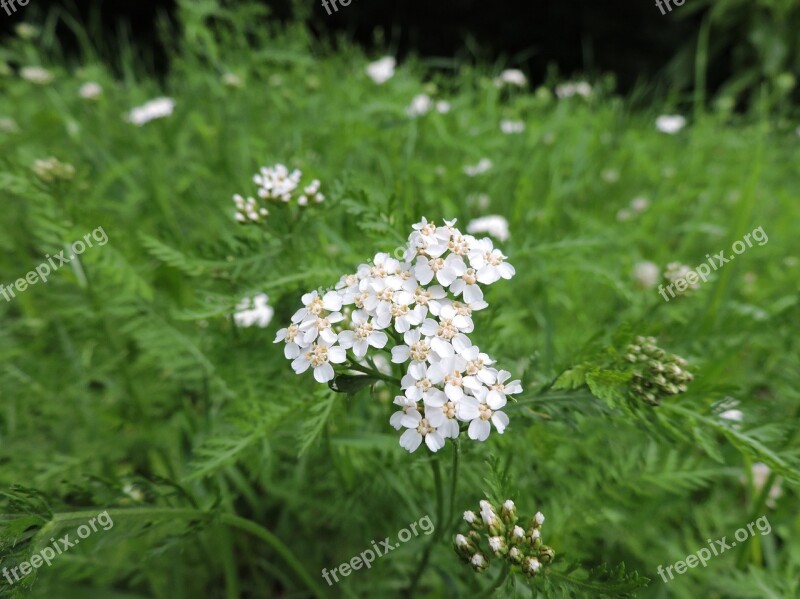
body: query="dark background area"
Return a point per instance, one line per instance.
(629, 38)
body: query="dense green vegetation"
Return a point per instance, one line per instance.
(128, 388)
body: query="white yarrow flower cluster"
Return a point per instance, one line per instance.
(91, 91)
(570, 89)
(158, 108)
(37, 75)
(254, 311)
(382, 70)
(670, 123)
(418, 308)
(277, 184)
(511, 77)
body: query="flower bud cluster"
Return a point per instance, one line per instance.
(51, 170)
(657, 373)
(495, 532)
(276, 184)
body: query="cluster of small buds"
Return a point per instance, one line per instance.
(277, 184)
(504, 538)
(52, 170)
(676, 271)
(423, 303)
(657, 373)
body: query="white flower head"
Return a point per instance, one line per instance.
(91, 90)
(483, 165)
(421, 104)
(511, 77)
(254, 311)
(158, 108)
(510, 127)
(37, 75)
(320, 356)
(670, 124)
(494, 225)
(647, 274)
(382, 70)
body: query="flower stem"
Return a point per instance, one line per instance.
(426, 556)
(454, 479)
(372, 372)
(491, 590)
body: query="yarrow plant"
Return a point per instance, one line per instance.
(419, 310)
(495, 532)
(276, 184)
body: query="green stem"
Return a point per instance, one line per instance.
(372, 372)
(491, 590)
(454, 479)
(426, 556)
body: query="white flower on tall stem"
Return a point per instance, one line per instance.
(320, 356)
(254, 311)
(365, 334)
(418, 429)
(158, 108)
(494, 225)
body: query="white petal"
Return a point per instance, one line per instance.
(400, 354)
(323, 373)
(410, 440)
(337, 355)
(300, 364)
(479, 430)
(495, 399)
(500, 421)
(332, 301)
(434, 441)
(377, 339)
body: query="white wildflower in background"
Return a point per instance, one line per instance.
(576, 88)
(36, 75)
(421, 104)
(26, 31)
(8, 125)
(647, 274)
(511, 77)
(276, 184)
(640, 204)
(494, 225)
(427, 295)
(232, 80)
(90, 91)
(675, 271)
(670, 123)
(254, 311)
(760, 473)
(610, 175)
(484, 165)
(510, 127)
(158, 108)
(442, 106)
(51, 170)
(382, 70)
